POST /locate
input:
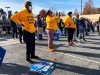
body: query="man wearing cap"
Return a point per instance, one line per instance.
(26, 18)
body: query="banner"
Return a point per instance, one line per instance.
(2, 54)
(44, 67)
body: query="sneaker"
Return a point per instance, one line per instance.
(72, 43)
(29, 60)
(35, 57)
(84, 40)
(51, 50)
(79, 40)
(69, 44)
(21, 42)
(75, 40)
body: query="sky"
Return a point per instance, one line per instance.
(60, 5)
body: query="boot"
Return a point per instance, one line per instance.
(28, 59)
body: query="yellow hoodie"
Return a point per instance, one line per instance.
(25, 18)
(69, 23)
(52, 22)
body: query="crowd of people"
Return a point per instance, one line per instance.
(4, 22)
(28, 26)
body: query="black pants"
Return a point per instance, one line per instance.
(30, 44)
(20, 34)
(24, 38)
(14, 33)
(97, 28)
(61, 28)
(65, 31)
(77, 32)
(70, 34)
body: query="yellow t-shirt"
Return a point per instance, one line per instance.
(52, 22)
(25, 18)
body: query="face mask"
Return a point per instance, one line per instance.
(71, 15)
(30, 8)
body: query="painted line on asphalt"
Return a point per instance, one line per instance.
(9, 43)
(57, 53)
(96, 62)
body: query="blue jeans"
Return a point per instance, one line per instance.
(81, 34)
(75, 35)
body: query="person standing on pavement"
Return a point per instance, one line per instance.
(26, 18)
(81, 29)
(20, 30)
(39, 24)
(51, 28)
(76, 33)
(14, 29)
(87, 27)
(61, 25)
(97, 26)
(71, 26)
(4, 20)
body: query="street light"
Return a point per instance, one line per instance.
(81, 6)
(7, 8)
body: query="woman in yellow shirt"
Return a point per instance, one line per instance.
(51, 28)
(71, 26)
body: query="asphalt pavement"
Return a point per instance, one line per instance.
(81, 59)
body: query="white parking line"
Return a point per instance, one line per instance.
(16, 42)
(9, 42)
(96, 62)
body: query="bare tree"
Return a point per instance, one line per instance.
(75, 12)
(89, 8)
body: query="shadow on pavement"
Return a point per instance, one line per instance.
(93, 39)
(87, 47)
(97, 43)
(93, 35)
(1, 39)
(95, 48)
(76, 69)
(4, 37)
(16, 69)
(80, 53)
(55, 45)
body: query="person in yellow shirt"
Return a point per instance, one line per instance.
(26, 18)
(71, 26)
(51, 28)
